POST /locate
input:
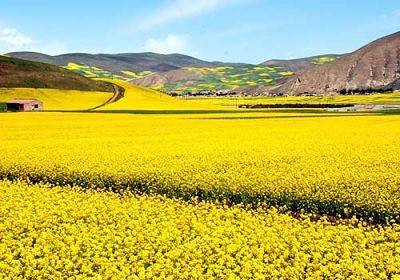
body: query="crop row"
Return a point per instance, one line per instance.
(58, 232)
(327, 165)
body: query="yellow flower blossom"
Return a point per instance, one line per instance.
(58, 232)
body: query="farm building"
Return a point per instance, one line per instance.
(24, 105)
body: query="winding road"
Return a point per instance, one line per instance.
(118, 94)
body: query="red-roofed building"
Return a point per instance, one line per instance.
(22, 104)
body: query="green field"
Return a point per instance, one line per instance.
(386, 98)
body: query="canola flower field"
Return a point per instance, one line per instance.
(57, 232)
(146, 100)
(324, 163)
(156, 187)
(54, 99)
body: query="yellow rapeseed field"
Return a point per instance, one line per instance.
(323, 163)
(62, 233)
(142, 99)
(55, 99)
(153, 187)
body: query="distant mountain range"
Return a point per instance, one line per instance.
(374, 67)
(17, 73)
(176, 72)
(251, 79)
(116, 63)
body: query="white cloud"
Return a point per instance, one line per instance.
(179, 9)
(14, 38)
(170, 44)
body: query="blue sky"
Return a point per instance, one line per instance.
(228, 30)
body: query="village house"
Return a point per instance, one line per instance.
(22, 105)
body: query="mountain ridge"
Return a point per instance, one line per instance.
(375, 67)
(297, 64)
(124, 61)
(182, 73)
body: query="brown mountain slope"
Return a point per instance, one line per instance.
(167, 77)
(374, 67)
(17, 73)
(298, 64)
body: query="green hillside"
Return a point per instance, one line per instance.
(20, 73)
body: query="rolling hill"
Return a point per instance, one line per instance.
(372, 68)
(120, 63)
(141, 100)
(19, 73)
(252, 79)
(202, 79)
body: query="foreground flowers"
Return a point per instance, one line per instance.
(62, 232)
(324, 163)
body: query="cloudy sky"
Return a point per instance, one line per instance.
(227, 30)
